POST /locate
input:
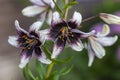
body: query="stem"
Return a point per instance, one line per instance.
(58, 7)
(49, 70)
(90, 18)
(66, 11)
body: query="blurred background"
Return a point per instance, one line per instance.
(108, 68)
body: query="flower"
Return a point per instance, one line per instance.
(63, 32)
(97, 41)
(114, 29)
(109, 18)
(29, 42)
(41, 7)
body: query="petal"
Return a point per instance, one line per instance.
(109, 18)
(56, 18)
(20, 31)
(58, 47)
(35, 26)
(42, 17)
(83, 34)
(97, 48)
(44, 35)
(77, 18)
(41, 56)
(76, 45)
(37, 2)
(75, 21)
(25, 57)
(105, 31)
(49, 2)
(91, 55)
(49, 17)
(106, 41)
(13, 41)
(31, 11)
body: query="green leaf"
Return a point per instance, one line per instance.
(70, 4)
(37, 78)
(48, 53)
(57, 74)
(63, 60)
(65, 70)
(40, 70)
(24, 73)
(31, 75)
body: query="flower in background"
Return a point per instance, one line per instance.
(43, 8)
(110, 19)
(97, 41)
(114, 29)
(29, 42)
(66, 32)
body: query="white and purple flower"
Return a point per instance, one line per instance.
(43, 8)
(63, 32)
(110, 19)
(29, 42)
(97, 41)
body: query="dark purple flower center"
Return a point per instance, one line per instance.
(28, 42)
(65, 33)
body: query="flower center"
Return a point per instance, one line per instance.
(65, 33)
(28, 42)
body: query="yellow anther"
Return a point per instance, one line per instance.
(24, 36)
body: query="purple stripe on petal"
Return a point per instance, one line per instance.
(20, 31)
(72, 24)
(58, 47)
(41, 56)
(75, 44)
(38, 51)
(25, 57)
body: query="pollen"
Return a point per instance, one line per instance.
(24, 36)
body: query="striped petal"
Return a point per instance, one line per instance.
(31, 11)
(20, 31)
(25, 57)
(41, 56)
(91, 55)
(75, 21)
(56, 18)
(77, 18)
(49, 2)
(109, 18)
(76, 45)
(105, 31)
(58, 47)
(83, 34)
(97, 48)
(106, 41)
(37, 2)
(35, 26)
(13, 41)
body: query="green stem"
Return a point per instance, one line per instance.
(58, 7)
(66, 11)
(90, 18)
(49, 70)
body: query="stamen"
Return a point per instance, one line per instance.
(24, 36)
